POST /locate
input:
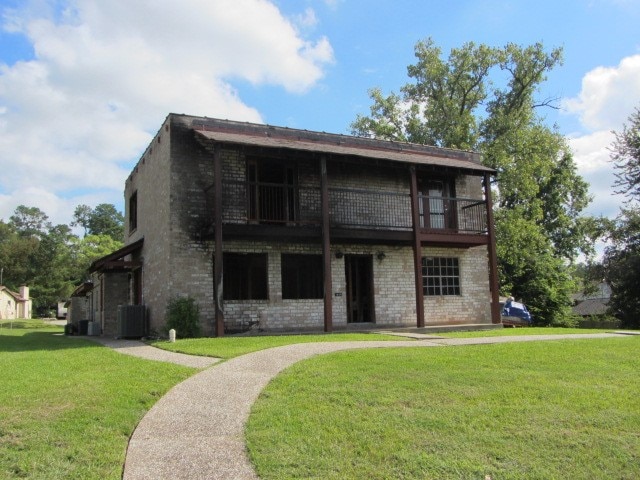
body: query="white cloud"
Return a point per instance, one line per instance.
(105, 74)
(608, 95)
(307, 19)
(607, 98)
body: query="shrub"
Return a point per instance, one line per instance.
(566, 321)
(183, 315)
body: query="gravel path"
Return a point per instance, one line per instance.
(196, 431)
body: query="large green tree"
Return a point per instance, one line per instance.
(50, 258)
(484, 98)
(104, 219)
(622, 256)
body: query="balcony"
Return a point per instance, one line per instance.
(353, 213)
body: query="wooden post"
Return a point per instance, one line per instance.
(217, 261)
(417, 247)
(493, 259)
(326, 250)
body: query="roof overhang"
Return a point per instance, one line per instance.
(116, 260)
(83, 289)
(396, 152)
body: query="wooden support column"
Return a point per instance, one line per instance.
(217, 261)
(493, 258)
(326, 250)
(417, 247)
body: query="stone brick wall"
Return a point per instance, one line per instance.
(151, 179)
(78, 309)
(473, 305)
(116, 292)
(393, 288)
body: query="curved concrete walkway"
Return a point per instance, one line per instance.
(196, 431)
(142, 350)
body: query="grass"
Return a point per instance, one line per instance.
(229, 347)
(23, 323)
(68, 406)
(503, 332)
(562, 409)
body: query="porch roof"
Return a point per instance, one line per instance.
(119, 254)
(350, 146)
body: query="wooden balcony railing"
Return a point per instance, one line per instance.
(265, 203)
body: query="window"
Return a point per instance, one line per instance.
(245, 276)
(302, 276)
(133, 211)
(272, 190)
(440, 276)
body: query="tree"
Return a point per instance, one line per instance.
(622, 256)
(104, 219)
(36, 253)
(84, 251)
(622, 268)
(81, 217)
(458, 103)
(29, 221)
(626, 157)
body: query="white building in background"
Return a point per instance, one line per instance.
(15, 305)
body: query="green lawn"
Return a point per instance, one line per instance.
(562, 409)
(501, 332)
(538, 410)
(229, 347)
(68, 406)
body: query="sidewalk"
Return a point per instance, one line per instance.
(196, 431)
(142, 350)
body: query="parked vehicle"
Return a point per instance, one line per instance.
(515, 314)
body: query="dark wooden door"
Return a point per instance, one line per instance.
(359, 275)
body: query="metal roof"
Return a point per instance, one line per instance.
(395, 152)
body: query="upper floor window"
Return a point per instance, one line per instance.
(272, 191)
(133, 211)
(440, 276)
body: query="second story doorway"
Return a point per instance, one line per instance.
(272, 191)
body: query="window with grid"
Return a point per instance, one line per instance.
(440, 276)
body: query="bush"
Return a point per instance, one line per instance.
(566, 321)
(183, 315)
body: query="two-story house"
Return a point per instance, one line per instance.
(288, 229)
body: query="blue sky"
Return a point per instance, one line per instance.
(85, 84)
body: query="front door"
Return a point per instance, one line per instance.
(359, 275)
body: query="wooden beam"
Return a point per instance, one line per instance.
(217, 260)
(326, 250)
(493, 258)
(417, 248)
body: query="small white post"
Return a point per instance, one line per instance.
(172, 335)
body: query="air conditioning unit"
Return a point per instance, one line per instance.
(132, 321)
(93, 328)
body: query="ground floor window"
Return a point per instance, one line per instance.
(302, 276)
(440, 276)
(245, 276)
